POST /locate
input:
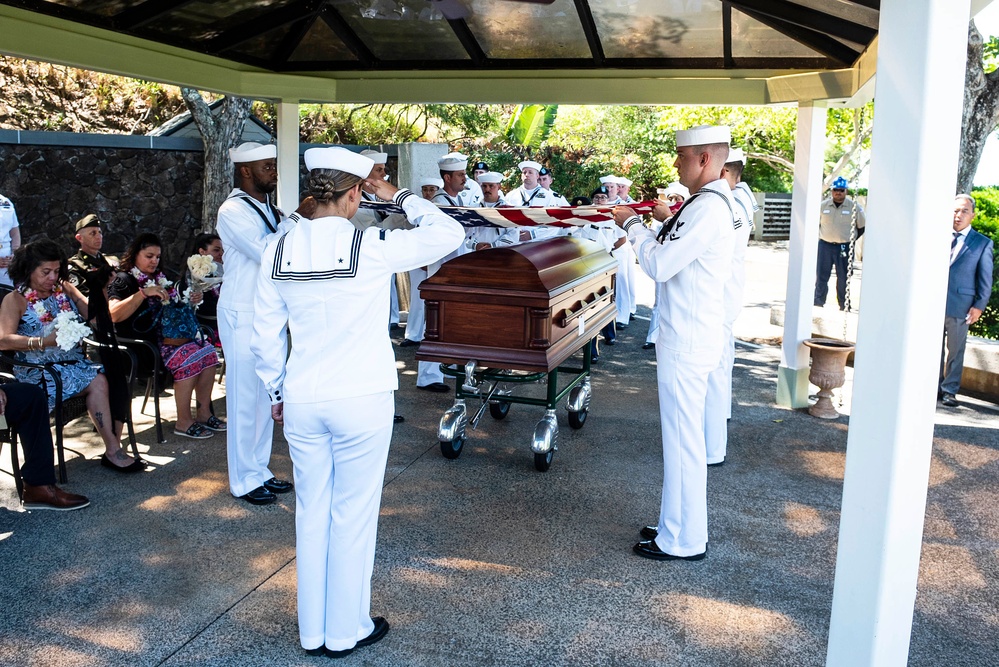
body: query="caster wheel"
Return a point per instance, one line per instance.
(577, 419)
(543, 461)
(452, 449)
(499, 410)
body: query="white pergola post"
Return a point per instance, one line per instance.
(917, 120)
(809, 154)
(289, 173)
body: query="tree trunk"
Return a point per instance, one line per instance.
(981, 110)
(219, 134)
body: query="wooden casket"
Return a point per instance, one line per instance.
(528, 307)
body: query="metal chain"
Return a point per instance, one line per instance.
(849, 279)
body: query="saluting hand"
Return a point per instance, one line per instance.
(381, 188)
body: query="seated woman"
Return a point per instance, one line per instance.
(136, 299)
(39, 270)
(209, 245)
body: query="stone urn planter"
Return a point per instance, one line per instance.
(828, 372)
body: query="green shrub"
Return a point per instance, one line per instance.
(987, 222)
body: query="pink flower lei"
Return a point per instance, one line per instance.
(37, 303)
(158, 280)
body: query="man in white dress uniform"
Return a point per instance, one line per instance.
(690, 260)
(327, 283)
(718, 406)
(245, 221)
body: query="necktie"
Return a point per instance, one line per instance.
(953, 244)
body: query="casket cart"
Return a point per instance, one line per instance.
(513, 317)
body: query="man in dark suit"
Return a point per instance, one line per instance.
(968, 292)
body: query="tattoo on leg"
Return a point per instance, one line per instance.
(99, 418)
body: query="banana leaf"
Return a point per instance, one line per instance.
(531, 124)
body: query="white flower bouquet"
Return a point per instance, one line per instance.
(69, 330)
(205, 274)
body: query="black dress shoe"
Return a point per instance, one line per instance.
(138, 465)
(715, 465)
(259, 496)
(275, 485)
(651, 550)
(436, 387)
(398, 419)
(649, 532)
(610, 341)
(381, 629)
(950, 400)
(648, 346)
(406, 342)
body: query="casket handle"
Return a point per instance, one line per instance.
(583, 305)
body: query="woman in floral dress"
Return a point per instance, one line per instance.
(136, 299)
(38, 322)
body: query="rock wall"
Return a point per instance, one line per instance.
(131, 191)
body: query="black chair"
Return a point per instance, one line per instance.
(66, 409)
(9, 435)
(156, 380)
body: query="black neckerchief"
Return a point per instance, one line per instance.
(448, 197)
(277, 216)
(667, 229)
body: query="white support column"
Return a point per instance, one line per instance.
(917, 120)
(809, 156)
(289, 171)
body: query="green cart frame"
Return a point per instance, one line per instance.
(484, 384)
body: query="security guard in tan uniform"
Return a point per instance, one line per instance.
(834, 241)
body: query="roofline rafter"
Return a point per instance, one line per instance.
(809, 19)
(817, 41)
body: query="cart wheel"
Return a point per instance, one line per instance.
(499, 410)
(451, 449)
(577, 419)
(543, 461)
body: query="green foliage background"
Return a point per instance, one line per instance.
(987, 222)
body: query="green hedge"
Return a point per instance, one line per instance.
(987, 222)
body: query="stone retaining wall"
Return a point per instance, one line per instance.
(131, 190)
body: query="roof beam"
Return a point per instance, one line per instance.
(727, 34)
(293, 39)
(263, 24)
(871, 4)
(818, 41)
(810, 19)
(590, 31)
(146, 12)
(343, 30)
(468, 41)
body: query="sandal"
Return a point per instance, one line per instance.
(195, 431)
(213, 423)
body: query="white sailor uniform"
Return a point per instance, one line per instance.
(690, 268)
(367, 217)
(244, 225)
(8, 223)
(718, 404)
(522, 197)
(327, 283)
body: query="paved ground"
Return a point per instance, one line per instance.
(484, 561)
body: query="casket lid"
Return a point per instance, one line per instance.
(544, 266)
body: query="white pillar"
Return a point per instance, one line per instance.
(809, 156)
(289, 171)
(917, 121)
(417, 161)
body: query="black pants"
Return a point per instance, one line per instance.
(27, 413)
(831, 254)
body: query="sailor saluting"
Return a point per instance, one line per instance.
(327, 283)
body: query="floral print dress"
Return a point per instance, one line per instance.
(75, 376)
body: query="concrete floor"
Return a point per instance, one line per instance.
(484, 561)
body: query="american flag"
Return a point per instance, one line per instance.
(557, 216)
